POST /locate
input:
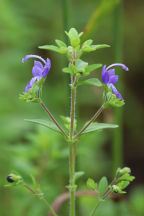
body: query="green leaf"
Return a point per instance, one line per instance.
(126, 177)
(67, 70)
(93, 67)
(67, 121)
(91, 184)
(60, 43)
(87, 43)
(92, 81)
(74, 37)
(94, 47)
(81, 65)
(123, 184)
(44, 123)
(98, 126)
(78, 175)
(62, 50)
(103, 185)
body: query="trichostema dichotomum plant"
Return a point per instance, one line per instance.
(78, 71)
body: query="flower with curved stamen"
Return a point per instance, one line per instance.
(39, 70)
(110, 79)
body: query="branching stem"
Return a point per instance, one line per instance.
(53, 119)
(90, 121)
(41, 198)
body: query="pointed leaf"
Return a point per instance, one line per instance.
(87, 43)
(78, 175)
(74, 37)
(60, 43)
(67, 70)
(103, 184)
(62, 50)
(99, 46)
(91, 184)
(99, 126)
(93, 67)
(44, 123)
(92, 81)
(123, 184)
(81, 65)
(94, 47)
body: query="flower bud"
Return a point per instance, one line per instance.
(120, 172)
(12, 178)
(116, 189)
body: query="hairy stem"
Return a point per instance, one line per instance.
(90, 121)
(53, 119)
(72, 115)
(72, 150)
(72, 183)
(41, 198)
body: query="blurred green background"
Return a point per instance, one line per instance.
(30, 149)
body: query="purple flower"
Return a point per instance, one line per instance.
(39, 70)
(110, 79)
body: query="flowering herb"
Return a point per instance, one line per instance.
(78, 70)
(110, 79)
(38, 71)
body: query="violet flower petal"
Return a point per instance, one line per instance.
(111, 72)
(118, 64)
(105, 75)
(38, 64)
(46, 68)
(115, 91)
(113, 79)
(30, 84)
(37, 71)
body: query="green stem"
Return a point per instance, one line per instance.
(73, 94)
(95, 208)
(72, 150)
(71, 181)
(117, 144)
(41, 198)
(53, 119)
(90, 121)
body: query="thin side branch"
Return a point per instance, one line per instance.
(90, 121)
(41, 198)
(53, 119)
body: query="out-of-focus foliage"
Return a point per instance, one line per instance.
(27, 149)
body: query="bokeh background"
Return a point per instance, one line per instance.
(33, 150)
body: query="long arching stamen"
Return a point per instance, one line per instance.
(33, 56)
(118, 64)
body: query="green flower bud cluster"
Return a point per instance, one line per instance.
(122, 180)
